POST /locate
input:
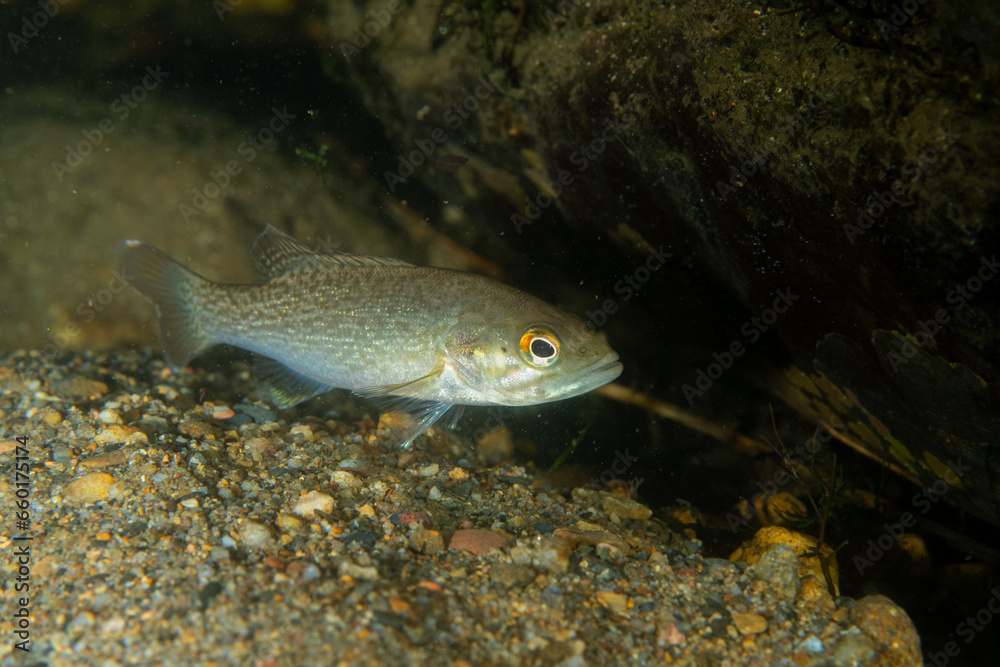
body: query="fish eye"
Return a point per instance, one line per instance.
(539, 347)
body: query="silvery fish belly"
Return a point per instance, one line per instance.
(430, 338)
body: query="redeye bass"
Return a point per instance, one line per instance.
(431, 338)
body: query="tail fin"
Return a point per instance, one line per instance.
(173, 289)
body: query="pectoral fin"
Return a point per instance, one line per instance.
(403, 397)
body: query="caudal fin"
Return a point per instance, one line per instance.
(174, 290)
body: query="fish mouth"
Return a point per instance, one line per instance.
(604, 371)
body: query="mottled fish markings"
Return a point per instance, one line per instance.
(426, 337)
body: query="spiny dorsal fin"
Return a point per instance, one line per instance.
(275, 254)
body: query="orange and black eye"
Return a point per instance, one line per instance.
(539, 347)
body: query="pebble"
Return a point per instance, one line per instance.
(593, 538)
(118, 434)
(288, 522)
(105, 460)
(254, 535)
(809, 567)
(624, 508)
(345, 479)
(109, 417)
(552, 554)
(750, 624)
(259, 414)
(308, 503)
(434, 493)
(779, 567)
(429, 471)
(91, 488)
(77, 386)
(893, 632)
(425, 541)
(477, 541)
(223, 412)
(49, 416)
(614, 602)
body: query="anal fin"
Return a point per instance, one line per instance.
(282, 386)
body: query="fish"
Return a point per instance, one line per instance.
(423, 339)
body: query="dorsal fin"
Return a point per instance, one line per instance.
(275, 254)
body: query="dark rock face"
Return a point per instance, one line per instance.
(832, 168)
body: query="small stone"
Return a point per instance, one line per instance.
(349, 569)
(427, 542)
(308, 503)
(346, 480)
(91, 488)
(552, 554)
(624, 508)
(430, 586)
(117, 434)
(429, 471)
(259, 414)
(223, 412)
(434, 493)
(105, 460)
(854, 649)
(509, 575)
(890, 628)
(288, 522)
(593, 538)
(103, 536)
(254, 535)
(750, 624)
(190, 503)
(779, 567)
(49, 416)
(77, 386)
(615, 602)
(458, 473)
(301, 430)
(477, 541)
(195, 428)
(803, 546)
(109, 417)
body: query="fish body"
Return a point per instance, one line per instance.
(431, 338)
